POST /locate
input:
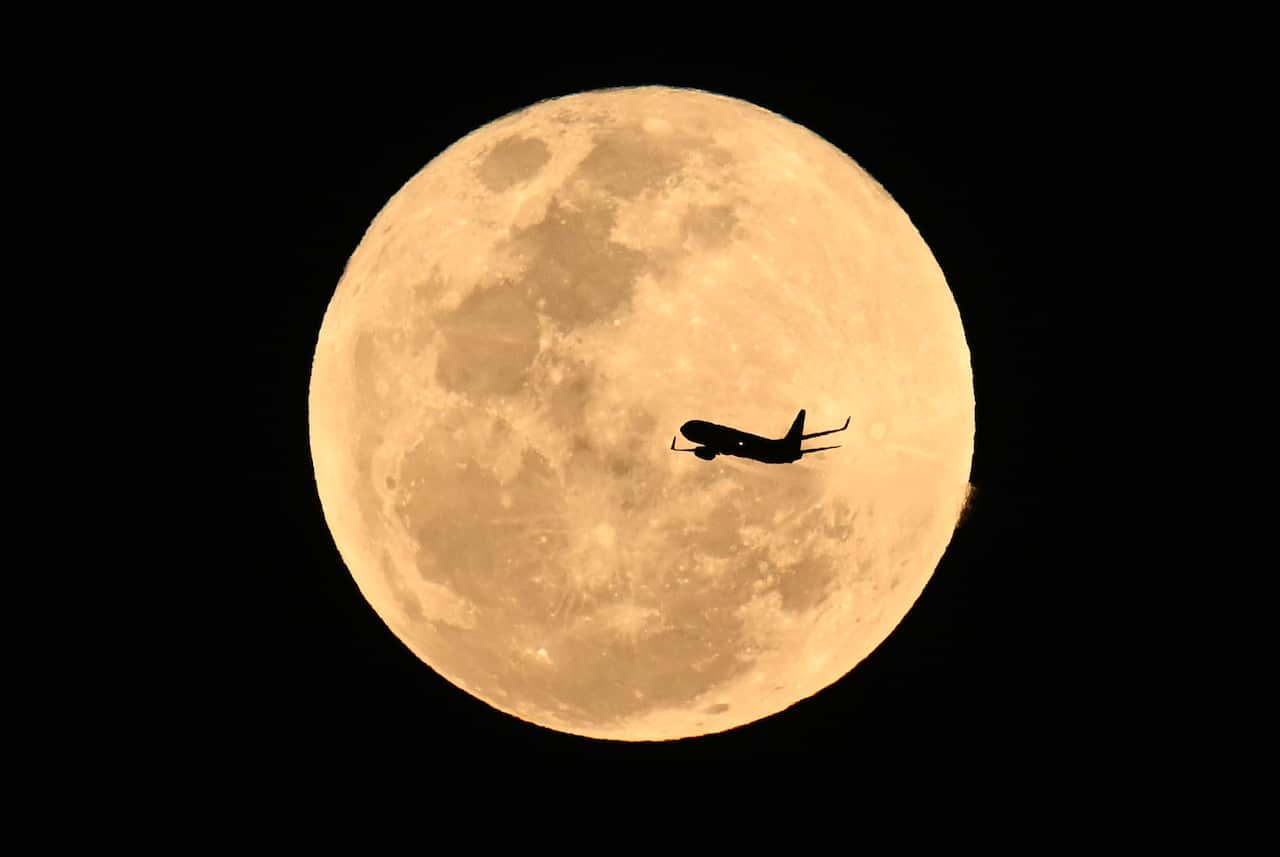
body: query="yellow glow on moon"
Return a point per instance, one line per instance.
(527, 323)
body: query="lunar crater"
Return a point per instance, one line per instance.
(513, 161)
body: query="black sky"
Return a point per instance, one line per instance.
(989, 160)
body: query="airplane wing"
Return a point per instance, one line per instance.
(829, 431)
(819, 449)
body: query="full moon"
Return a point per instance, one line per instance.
(522, 330)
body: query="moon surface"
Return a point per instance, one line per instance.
(521, 331)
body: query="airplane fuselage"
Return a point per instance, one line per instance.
(722, 440)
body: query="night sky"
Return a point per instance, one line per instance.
(980, 158)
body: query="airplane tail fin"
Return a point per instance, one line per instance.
(797, 429)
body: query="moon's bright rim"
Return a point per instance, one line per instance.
(513, 344)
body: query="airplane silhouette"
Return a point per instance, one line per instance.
(722, 440)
